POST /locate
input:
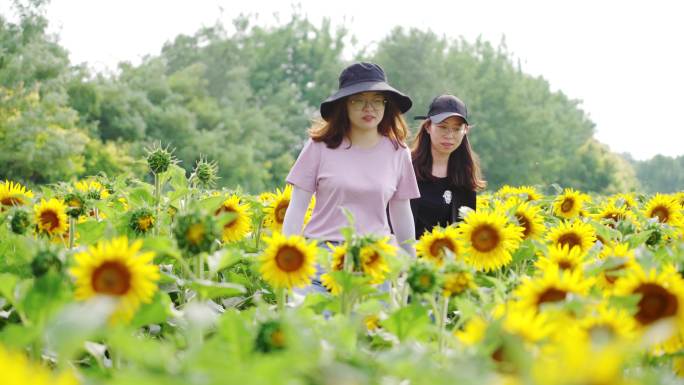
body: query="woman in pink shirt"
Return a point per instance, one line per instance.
(356, 159)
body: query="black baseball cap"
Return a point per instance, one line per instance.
(445, 106)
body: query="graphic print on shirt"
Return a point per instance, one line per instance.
(447, 196)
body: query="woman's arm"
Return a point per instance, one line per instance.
(293, 222)
(402, 224)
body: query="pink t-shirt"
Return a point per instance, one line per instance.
(360, 180)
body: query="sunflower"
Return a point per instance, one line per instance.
(484, 201)
(50, 217)
(373, 259)
(573, 234)
(666, 209)
(116, 268)
(13, 194)
(662, 294)
(93, 189)
(569, 204)
(617, 260)
(473, 332)
(678, 366)
(457, 282)
(529, 324)
(142, 221)
(624, 200)
(528, 216)
(241, 224)
(679, 197)
(18, 370)
(564, 257)
(337, 264)
(432, 245)
(531, 193)
(488, 239)
(288, 261)
(604, 324)
(552, 285)
(613, 214)
(275, 212)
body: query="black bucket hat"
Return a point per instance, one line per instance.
(363, 77)
(445, 106)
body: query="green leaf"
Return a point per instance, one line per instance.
(210, 290)
(155, 312)
(7, 284)
(90, 232)
(409, 321)
(142, 196)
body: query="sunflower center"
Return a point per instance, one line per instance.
(662, 213)
(372, 258)
(111, 278)
(655, 303)
(567, 205)
(11, 201)
(289, 259)
(145, 223)
(485, 238)
(565, 264)
(195, 233)
(49, 219)
(233, 221)
(425, 280)
(280, 211)
(437, 247)
(525, 223)
(570, 239)
(611, 274)
(551, 295)
(278, 338)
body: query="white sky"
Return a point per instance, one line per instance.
(623, 59)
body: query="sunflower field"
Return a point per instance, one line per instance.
(169, 280)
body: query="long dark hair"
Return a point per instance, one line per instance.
(463, 168)
(333, 130)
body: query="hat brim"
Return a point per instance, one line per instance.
(404, 102)
(439, 118)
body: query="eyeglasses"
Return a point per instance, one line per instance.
(358, 104)
(444, 130)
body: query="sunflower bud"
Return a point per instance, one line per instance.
(75, 204)
(20, 222)
(271, 337)
(159, 159)
(44, 261)
(421, 278)
(196, 233)
(205, 174)
(142, 221)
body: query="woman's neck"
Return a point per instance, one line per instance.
(440, 161)
(364, 138)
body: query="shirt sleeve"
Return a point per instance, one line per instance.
(407, 187)
(304, 173)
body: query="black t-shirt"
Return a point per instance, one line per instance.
(434, 205)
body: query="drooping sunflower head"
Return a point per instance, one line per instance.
(625, 200)
(488, 239)
(662, 294)
(373, 259)
(196, 232)
(550, 286)
(20, 222)
(611, 214)
(564, 257)
(531, 192)
(142, 221)
(288, 262)
(432, 246)
(92, 189)
(569, 204)
(13, 194)
(275, 212)
(240, 225)
(665, 208)
(76, 205)
(617, 260)
(46, 259)
(573, 234)
(117, 269)
(50, 217)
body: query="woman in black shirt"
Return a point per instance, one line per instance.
(446, 167)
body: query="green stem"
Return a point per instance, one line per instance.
(258, 235)
(157, 200)
(442, 322)
(72, 231)
(281, 297)
(199, 266)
